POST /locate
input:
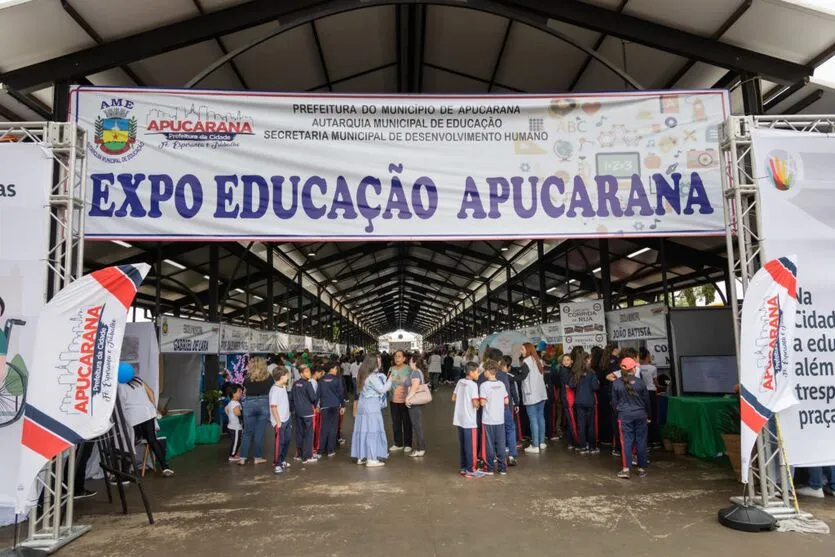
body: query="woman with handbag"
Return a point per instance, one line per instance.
(369, 443)
(418, 395)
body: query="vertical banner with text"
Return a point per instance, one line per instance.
(583, 324)
(796, 182)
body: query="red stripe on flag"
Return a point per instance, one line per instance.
(750, 417)
(114, 281)
(41, 440)
(782, 276)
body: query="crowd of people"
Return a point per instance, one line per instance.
(502, 403)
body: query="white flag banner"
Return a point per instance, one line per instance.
(264, 342)
(552, 332)
(796, 186)
(180, 336)
(637, 323)
(25, 176)
(583, 324)
(767, 329)
(180, 164)
(234, 339)
(75, 360)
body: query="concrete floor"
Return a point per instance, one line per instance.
(553, 503)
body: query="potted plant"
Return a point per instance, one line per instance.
(678, 438)
(729, 425)
(208, 433)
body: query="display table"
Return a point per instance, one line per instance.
(699, 416)
(179, 430)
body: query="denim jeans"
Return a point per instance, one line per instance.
(256, 415)
(817, 479)
(536, 416)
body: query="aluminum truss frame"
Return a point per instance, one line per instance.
(52, 526)
(769, 485)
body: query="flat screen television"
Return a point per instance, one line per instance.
(708, 374)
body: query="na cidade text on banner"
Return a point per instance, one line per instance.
(215, 165)
(797, 211)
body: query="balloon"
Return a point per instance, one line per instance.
(541, 346)
(126, 372)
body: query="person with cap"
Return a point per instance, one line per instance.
(630, 399)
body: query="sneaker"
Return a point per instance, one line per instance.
(476, 474)
(407, 450)
(312, 460)
(634, 461)
(241, 462)
(374, 464)
(571, 447)
(623, 474)
(360, 461)
(807, 491)
(234, 459)
(417, 454)
(543, 446)
(285, 465)
(297, 458)
(84, 494)
(463, 471)
(512, 461)
(503, 473)
(331, 454)
(532, 450)
(556, 438)
(488, 472)
(259, 460)
(168, 472)
(341, 441)
(317, 456)
(615, 453)
(278, 470)
(642, 473)
(395, 448)
(595, 451)
(584, 451)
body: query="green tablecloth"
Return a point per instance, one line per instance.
(179, 431)
(699, 415)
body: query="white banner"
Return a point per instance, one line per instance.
(72, 386)
(234, 339)
(637, 323)
(295, 343)
(282, 341)
(766, 381)
(175, 164)
(25, 179)
(660, 351)
(265, 342)
(583, 324)
(797, 204)
(552, 332)
(178, 336)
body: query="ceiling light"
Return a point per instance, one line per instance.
(574, 281)
(239, 291)
(505, 248)
(207, 277)
(596, 270)
(121, 243)
(637, 253)
(334, 280)
(175, 264)
(551, 289)
(257, 297)
(311, 254)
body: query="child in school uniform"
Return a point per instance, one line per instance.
(318, 373)
(233, 412)
(331, 407)
(510, 410)
(567, 393)
(630, 398)
(494, 399)
(585, 384)
(280, 417)
(466, 401)
(304, 399)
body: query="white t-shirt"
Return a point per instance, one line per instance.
(346, 368)
(136, 405)
(648, 373)
(234, 421)
(278, 397)
(435, 363)
(495, 395)
(457, 361)
(355, 369)
(533, 387)
(466, 391)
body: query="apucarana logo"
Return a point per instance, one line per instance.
(114, 138)
(198, 127)
(782, 169)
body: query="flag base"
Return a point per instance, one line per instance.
(747, 518)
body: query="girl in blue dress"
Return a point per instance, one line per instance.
(369, 444)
